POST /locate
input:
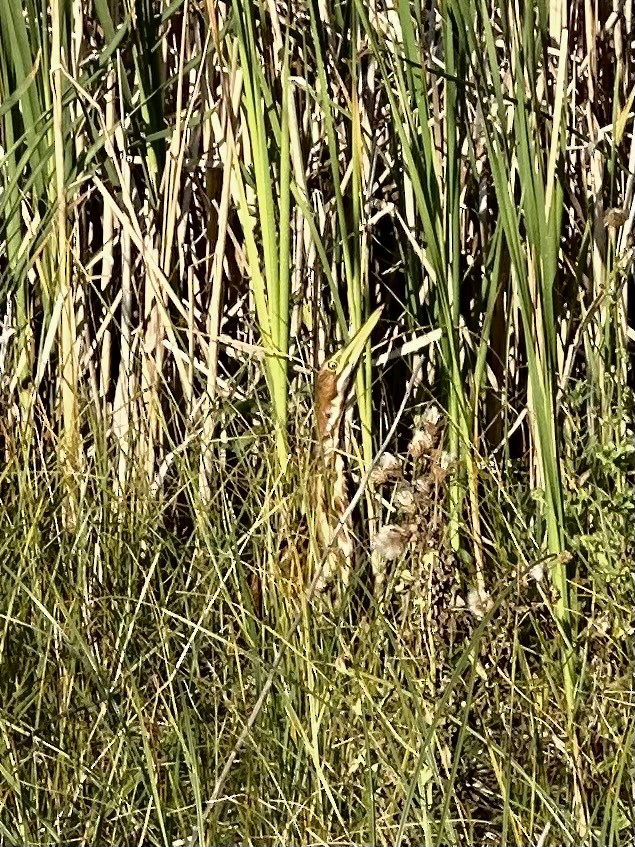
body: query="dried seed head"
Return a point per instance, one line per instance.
(615, 218)
(537, 573)
(432, 416)
(405, 498)
(442, 463)
(424, 486)
(432, 423)
(388, 469)
(479, 603)
(421, 444)
(391, 541)
(427, 434)
(412, 530)
(438, 474)
(446, 460)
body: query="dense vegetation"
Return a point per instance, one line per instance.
(201, 200)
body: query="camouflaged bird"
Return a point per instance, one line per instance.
(334, 385)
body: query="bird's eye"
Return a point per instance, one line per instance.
(332, 366)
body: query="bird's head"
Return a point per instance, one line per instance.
(335, 378)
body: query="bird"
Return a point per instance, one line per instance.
(333, 390)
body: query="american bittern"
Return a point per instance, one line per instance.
(334, 384)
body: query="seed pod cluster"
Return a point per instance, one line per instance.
(416, 487)
(421, 586)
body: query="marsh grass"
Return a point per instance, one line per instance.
(199, 202)
(132, 654)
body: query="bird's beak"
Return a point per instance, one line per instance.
(352, 353)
